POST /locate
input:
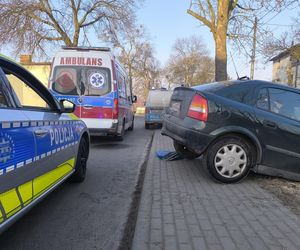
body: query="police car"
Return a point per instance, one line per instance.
(41, 142)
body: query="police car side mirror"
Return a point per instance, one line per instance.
(134, 99)
(67, 106)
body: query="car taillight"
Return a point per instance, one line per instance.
(198, 108)
(116, 109)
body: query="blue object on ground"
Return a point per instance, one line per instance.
(168, 155)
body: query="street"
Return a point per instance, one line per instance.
(90, 215)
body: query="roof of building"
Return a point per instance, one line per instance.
(284, 53)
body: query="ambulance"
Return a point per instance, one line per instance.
(93, 79)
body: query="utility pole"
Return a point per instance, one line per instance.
(253, 49)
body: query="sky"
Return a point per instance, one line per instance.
(167, 20)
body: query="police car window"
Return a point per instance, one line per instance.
(28, 97)
(285, 103)
(263, 99)
(3, 101)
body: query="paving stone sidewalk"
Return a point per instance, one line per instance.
(182, 208)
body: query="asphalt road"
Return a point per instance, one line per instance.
(90, 215)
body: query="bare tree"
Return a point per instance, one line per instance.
(136, 53)
(274, 45)
(129, 45)
(147, 71)
(32, 25)
(232, 18)
(190, 63)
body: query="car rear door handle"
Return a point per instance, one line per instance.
(270, 124)
(88, 106)
(41, 132)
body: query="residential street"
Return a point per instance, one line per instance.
(90, 215)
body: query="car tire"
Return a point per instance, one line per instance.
(184, 151)
(120, 137)
(229, 159)
(132, 125)
(81, 161)
(147, 126)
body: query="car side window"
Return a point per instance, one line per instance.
(263, 99)
(285, 103)
(27, 96)
(3, 101)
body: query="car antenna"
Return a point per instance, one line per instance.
(237, 74)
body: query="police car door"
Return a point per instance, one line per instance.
(53, 131)
(17, 152)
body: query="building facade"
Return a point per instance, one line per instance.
(286, 67)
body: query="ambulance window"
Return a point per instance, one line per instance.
(98, 81)
(121, 85)
(27, 96)
(65, 81)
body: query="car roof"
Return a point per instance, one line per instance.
(216, 86)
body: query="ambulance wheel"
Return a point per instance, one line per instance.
(81, 161)
(132, 125)
(120, 137)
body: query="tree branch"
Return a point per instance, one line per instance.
(202, 19)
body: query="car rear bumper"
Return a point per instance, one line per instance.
(191, 138)
(102, 127)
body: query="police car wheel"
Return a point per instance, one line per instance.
(81, 162)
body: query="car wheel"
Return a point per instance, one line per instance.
(81, 161)
(147, 126)
(132, 125)
(230, 159)
(184, 151)
(121, 136)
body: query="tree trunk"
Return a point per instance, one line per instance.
(220, 58)
(220, 37)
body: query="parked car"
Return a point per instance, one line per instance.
(41, 142)
(237, 126)
(157, 101)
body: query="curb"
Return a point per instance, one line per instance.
(130, 224)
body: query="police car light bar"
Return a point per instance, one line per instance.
(86, 48)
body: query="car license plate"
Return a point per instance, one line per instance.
(154, 117)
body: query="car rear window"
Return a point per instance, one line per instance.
(241, 92)
(158, 98)
(213, 87)
(81, 81)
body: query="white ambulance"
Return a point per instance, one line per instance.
(95, 81)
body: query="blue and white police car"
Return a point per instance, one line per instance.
(41, 142)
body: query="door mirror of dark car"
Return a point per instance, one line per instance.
(67, 106)
(134, 99)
